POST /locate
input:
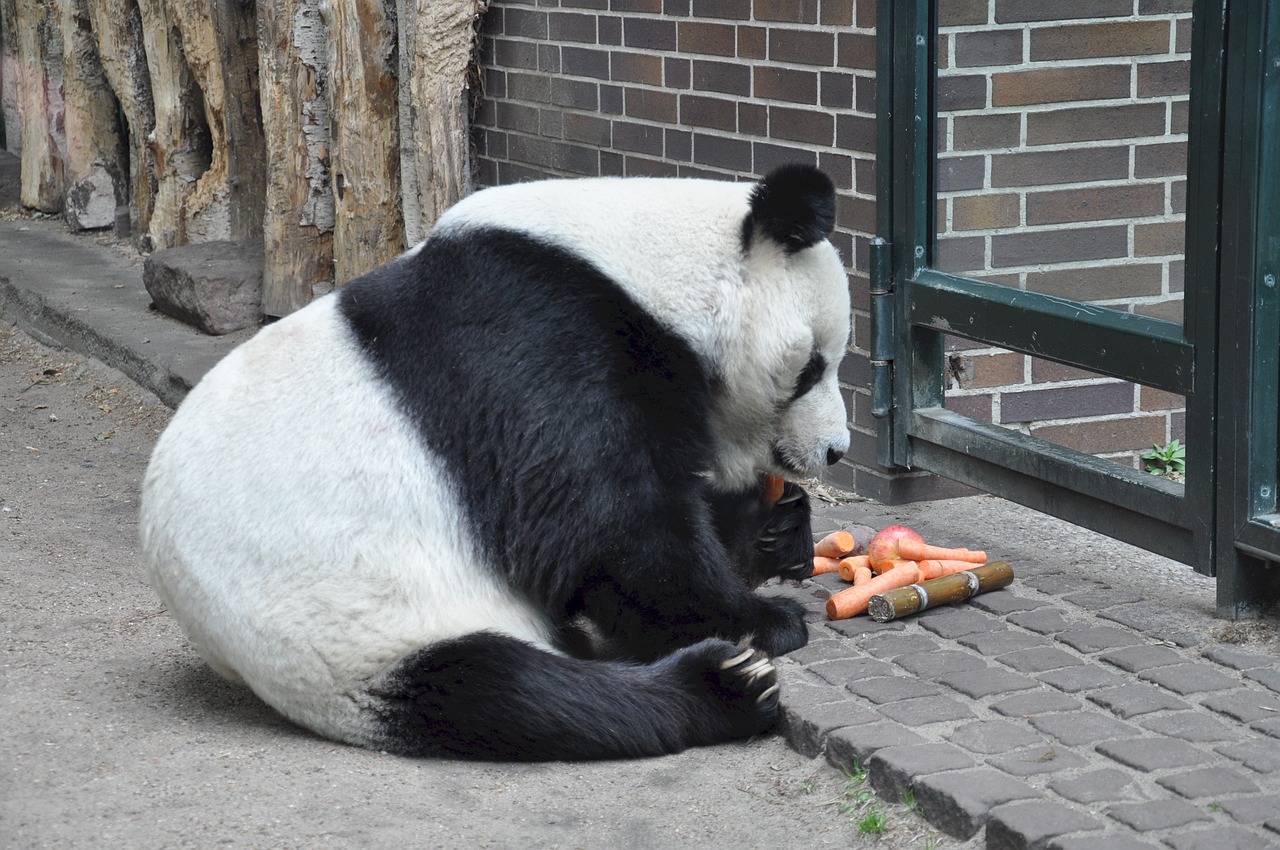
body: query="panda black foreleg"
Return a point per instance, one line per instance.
(491, 696)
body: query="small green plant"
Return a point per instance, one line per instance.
(873, 822)
(909, 801)
(855, 776)
(1169, 459)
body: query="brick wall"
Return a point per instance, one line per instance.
(1061, 165)
(1062, 169)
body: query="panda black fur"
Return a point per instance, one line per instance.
(386, 512)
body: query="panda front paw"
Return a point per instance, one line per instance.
(780, 626)
(784, 547)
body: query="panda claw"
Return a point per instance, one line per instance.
(758, 668)
(736, 660)
(786, 500)
(768, 692)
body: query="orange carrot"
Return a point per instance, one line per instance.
(853, 601)
(773, 485)
(848, 565)
(862, 575)
(837, 544)
(935, 568)
(822, 566)
(918, 550)
(884, 546)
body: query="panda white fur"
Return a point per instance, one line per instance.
(386, 512)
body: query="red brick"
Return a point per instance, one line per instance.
(1106, 435)
(1096, 203)
(1005, 368)
(986, 132)
(1036, 168)
(974, 406)
(857, 51)
(1098, 40)
(635, 68)
(1099, 283)
(837, 13)
(985, 212)
(1171, 310)
(960, 13)
(1060, 85)
(1048, 372)
(1096, 123)
(984, 49)
(753, 42)
(697, 37)
(1161, 239)
(1150, 398)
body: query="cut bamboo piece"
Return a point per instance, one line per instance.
(946, 590)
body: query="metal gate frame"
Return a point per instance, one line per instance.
(1224, 521)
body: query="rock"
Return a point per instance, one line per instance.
(216, 286)
(91, 201)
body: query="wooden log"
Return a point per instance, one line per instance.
(365, 130)
(179, 142)
(40, 102)
(95, 173)
(117, 27)
(298, 217)
(437, 47)
(10, 116)
(946, 590)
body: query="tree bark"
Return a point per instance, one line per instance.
(436, 53)
(9, 113)
(299, 215)
(94, 169)
(365, 161)
(117, 26)
(40, 99)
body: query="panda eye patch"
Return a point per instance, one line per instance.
(809, 375)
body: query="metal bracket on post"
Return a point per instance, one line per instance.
(882, 329)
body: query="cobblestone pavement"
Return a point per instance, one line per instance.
(1096, 703)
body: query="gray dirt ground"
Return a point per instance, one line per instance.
(115, 735)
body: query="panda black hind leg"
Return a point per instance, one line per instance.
(491, 696)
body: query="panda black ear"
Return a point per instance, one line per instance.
(795, 205)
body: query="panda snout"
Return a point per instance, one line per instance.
(833, 456)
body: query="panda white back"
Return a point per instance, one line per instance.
(383, 512)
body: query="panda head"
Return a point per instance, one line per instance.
(781, 410)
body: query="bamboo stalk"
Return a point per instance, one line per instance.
(946, 590)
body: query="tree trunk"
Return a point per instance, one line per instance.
(40, 99)
(235, 24)
(180, 142)
(365, 161)
(117, 25)
(298, 219)
(94, 170)
(437, 47)
(9, 114)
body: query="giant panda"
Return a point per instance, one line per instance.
(396, 513)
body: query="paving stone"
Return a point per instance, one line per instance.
(1088, 677)
(992, 736)
(950, 621)
(1100, 842)
(1100, 599)
(1191, 677)
(1149, 754)
(1236, 658)
(989, 681)
(1267, 727)
(1098, 638)
(1020, 825)
(1132, 700)
(1257, 754)
(883, 689)
(1244, 705)
(929, 664)
(1253, 809)
(1148, 618)
(1273, 824)
(1038, 702)
(1107, 785)
(1039, 659)
(1156, 814)
(992, 644)
(1044, 621)
(844, 670)
(957, 802)
(1208, 782)
(1083, 727)
(895, 769)
(860, 626)
(1058, 583)
(926, 710)
(854, 745)
(1005, 602)
(806, 727)
(1220, 838)
(830, 649)
(1034, 761)
(893, 644)
(1190, 726)
(1137, 658)
(1268, 677)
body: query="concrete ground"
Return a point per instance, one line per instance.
(1098, 702)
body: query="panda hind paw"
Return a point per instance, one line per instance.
(739, 684)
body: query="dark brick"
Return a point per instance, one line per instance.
(1106, 785)
(572, 26)
(528, 87)
(787, 84)
(643, 68)
(984, 49)
(527, 23)
(637, 138)
(1099, 282)
(1060, 85)
(700, 37)
(609, 29)
(895, 769)
(651, 105)
(722, 152)
(654, 34)
(1132, 433)
(737, 10)
(1148, 754)
(1065, 402)
(885, 689)
(957, 173)
(957, 802)
(803, 47)
(1017, 11)
(856, 132)
(1036, 168)
(1166, 159)
(769, 156)
(515, 54)
(1095, 123)
(856, 51)
(958, 13)
(985, 132)
(953, 621)
(786, 11)
(678, 73)
(726, 77)
(802, 125)
(954, 93)
(1019, 825)
(835, 90)
(584, 62)
(836, 13)
(1096, 203)
(1098, 40)
(753, 42)
(715, 113)
(1164, 79)
(679, 147)
(753, 119)
(1037, 247)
